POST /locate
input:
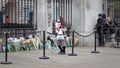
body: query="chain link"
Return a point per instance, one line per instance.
(85, 35)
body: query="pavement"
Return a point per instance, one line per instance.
(107, 58)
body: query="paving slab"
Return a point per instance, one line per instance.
(107, 58)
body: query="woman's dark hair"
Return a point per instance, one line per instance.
(7, 16)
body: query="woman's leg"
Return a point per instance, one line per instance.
(60, 49)
(59, 46)
(63, 46)
(64, 49)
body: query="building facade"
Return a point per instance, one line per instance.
(78, 15)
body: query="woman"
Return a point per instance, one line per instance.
(61, 41)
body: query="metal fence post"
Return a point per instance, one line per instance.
(6, 51)
(72, 54)
(44, 57)
(95, 46)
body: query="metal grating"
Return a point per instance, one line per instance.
(20, 13)
(113, 10)
(18, 16)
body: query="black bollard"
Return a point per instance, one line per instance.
(95, 50)
(44, 57)
(6, 52)
(72, 54)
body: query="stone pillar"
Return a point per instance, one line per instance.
(49, 15)
(84, 19)
(41, 15)
(45, 14)
(92, 9)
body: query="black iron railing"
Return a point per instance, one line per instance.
(18, 16)
(18, 13)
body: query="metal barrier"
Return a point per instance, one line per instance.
(107, 34)
(72, 54)
(94, 32)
